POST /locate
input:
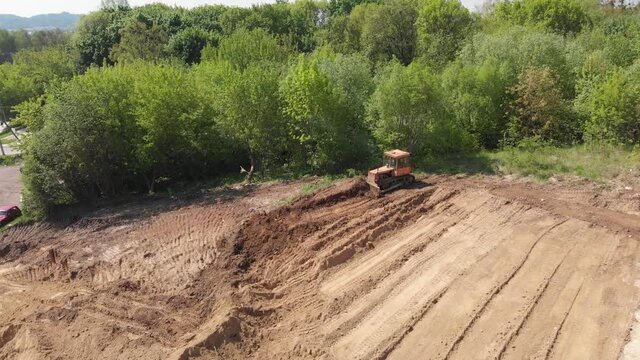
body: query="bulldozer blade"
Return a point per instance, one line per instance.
(372, 185)
(374, 190)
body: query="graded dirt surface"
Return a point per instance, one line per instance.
(452, 268)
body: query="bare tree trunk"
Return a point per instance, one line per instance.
(252, 159)
(151, 182)
(1, 149)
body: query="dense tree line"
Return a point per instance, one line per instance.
(138, 97)
(12, 42)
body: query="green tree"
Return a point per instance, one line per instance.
(175, 122)
(324, 97)
(540, 111)
(561, 16)
(344, 7)
(407, 110)
(234, 18)
(39, 40)
(519, 49)
(612, 107)
(442, 26)
(250, 113)
(29, 113)
(23, 40)
(477, 96)
(345, 31)
(84, 142)
(31, 73)
(97, 33)
(118, 129)
(140, 43)
(171, 20)
(245, 47)
(382, 31)
(187, 45)
(206, 17)
(7, 45)
(388, 32)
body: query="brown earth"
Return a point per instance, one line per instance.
(452, 268)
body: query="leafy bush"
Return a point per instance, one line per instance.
(118, 129)
(612, 107)
(324, 98)
(246, 47)
(442, 26)
(477, 97)
(31, 73)
(540, 111)
(408, 111)
(561, 16)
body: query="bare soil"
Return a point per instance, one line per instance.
(452, 268)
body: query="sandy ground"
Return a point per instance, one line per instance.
(10, 186)
(452, 268)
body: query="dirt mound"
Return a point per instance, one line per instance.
(268, 234)
(331, 195)
(18, 239)
(449, 268)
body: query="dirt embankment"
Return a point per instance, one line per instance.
(450, 268)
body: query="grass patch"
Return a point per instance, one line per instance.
(312, 188)
(22, 220)
(197, 187)
(595, 162)
(8, 140)
(9, 160)
(5, 134)
(599, 162)
(472, 163)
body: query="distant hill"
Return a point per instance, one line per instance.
(63, 21)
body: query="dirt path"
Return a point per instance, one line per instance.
(450, 269)
(10, 185)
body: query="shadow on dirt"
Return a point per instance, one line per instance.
(418, 184)
(107, 213)
(136, 207)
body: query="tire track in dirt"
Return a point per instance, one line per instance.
(472, 292)
(425, 274)
(597, 327)
(501, 330)
(163, 254)
(460, 268)
(509, 305)
(537, 337)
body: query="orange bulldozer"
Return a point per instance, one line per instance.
(395, 173)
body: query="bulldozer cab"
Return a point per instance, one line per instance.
(394, 173)
(399, 161)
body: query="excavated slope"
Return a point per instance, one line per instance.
(449, 269)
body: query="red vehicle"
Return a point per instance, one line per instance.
(395, 172)
(8, 214)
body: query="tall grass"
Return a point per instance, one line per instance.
(9, 160)
(596, 162)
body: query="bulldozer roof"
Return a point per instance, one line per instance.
(397, 154)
